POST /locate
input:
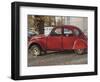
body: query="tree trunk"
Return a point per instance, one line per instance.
(39, 24)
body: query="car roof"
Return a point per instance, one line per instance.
(70, 27)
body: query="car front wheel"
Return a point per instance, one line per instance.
(35, 50)
(79, 51)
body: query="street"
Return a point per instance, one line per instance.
(57, 58)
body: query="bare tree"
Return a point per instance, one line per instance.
(39, 24)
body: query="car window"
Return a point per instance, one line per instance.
(67, 32)
(57, 31)
(76, 32)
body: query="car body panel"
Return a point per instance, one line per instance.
(68, 42)
(56, 43)
(61, 42)
(80, 44)
(39, 40)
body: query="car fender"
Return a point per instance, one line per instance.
(37, 43)
(80, 44)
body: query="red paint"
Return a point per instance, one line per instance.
(61, 41)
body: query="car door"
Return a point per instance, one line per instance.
(68, 38)
(54, 40)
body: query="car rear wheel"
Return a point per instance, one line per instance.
(79, 51)
(35, 50)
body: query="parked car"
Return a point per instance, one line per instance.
(61, 38)
(30, 34)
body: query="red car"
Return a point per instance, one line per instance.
(61, 38)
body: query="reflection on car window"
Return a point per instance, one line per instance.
(67, 31)
(57, 31)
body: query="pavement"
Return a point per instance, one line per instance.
(57, 58)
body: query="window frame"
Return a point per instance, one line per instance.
(56, 34)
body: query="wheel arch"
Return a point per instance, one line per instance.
(35, 44)
(80, 44)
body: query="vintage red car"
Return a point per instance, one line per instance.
(61, 38)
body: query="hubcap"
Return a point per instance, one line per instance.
(80, 51)
(35, 51)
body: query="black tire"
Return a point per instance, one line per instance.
(35, 50)
(79, 51)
